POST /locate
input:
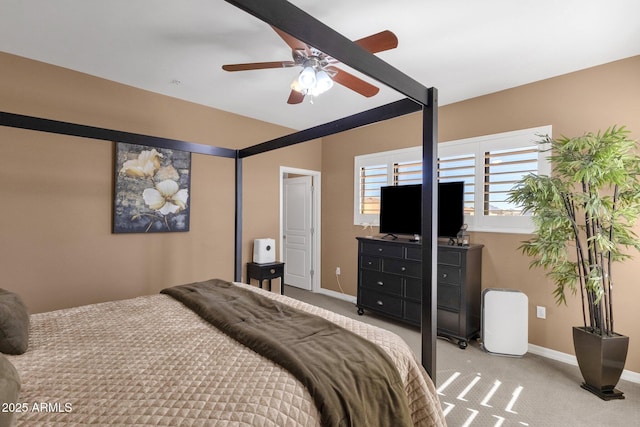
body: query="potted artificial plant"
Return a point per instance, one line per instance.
(584, 215)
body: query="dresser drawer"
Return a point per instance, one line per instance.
(413, 289)
(390, 283)
(449, 296)
(382, 249)
(381, 282)
(448, 322)
(449, 257)
(413, 312)
(449, 274)
(404, 267)
(382, 302)
(370, 262)
(414, 253)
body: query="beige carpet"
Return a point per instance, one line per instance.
(480, 389)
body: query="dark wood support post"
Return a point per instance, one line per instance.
(237, 263)
(429, 232)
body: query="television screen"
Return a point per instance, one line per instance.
(450, 208)
(401, 209)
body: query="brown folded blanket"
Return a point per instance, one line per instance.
(352, 381)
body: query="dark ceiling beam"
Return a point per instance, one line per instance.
(66, 128)
(385, 112)
(301, 25)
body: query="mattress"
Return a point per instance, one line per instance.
(150, 361)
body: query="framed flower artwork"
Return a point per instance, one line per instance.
(151, 191)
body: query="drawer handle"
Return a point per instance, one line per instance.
(272, 271)
(369, 263)
(381, 283)
(380, 303)
(380, 249)
(444, 275)
(404, 269)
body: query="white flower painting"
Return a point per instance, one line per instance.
(166, 197)
(151, 189)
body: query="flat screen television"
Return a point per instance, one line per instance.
(401, 209)
(450, 208)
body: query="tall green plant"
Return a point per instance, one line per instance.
(583, 216)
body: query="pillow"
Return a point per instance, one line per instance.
(14, 323)
(9, 389)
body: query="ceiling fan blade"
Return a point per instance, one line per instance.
(293, 42)
(378, 42)
(258, 65)
(295, 97)
(354, 83)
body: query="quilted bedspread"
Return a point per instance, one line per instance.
(150, 361)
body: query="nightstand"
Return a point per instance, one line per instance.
(269, 271)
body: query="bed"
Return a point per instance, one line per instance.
(110, 369)
(152, 361)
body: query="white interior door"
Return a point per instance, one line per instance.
(297, 238)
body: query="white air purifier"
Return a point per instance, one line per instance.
(505, 322)
(264, 251)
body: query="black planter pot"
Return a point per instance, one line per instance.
(601, 360)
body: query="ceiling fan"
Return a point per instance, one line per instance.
(318, 70)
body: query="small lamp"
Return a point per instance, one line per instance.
(463, 236)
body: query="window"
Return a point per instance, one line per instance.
(460, 168)
(489, 166)
(499, 161)
(502, 169)
(373, 171)
(406, 173)
(371, 179)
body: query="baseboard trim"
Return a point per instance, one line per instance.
(627, 375)
(339, 295)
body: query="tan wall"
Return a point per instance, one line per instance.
(58, 251)
(261, 188)
(57, 247)
(587, 100)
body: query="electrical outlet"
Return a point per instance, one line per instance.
(541, 312)
(337, 271)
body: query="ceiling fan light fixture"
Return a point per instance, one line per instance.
(307, 78)
(295, 85)
(323, 82)
(314, 92)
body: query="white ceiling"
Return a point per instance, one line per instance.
(465, 48)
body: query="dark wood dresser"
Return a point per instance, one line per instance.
(390, 283)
